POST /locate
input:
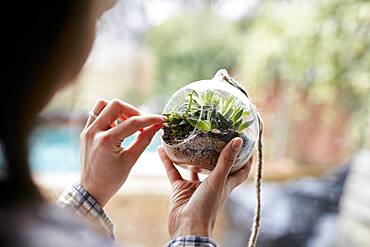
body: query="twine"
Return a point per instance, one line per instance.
(257, 214)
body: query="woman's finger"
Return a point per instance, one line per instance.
(225, 162)
(240, 176)
(194, 176)
(133, 152)
(172, 173)
(113, 111)
(100, 104)
(118, 121)
(134, 124)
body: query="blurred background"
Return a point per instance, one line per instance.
(306, 64)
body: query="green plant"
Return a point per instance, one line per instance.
(206, 112)
(192, 45)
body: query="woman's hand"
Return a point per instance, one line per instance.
(194, 205)
(105, 163)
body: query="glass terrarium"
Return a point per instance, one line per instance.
(203, 117)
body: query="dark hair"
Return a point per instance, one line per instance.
(32, 36)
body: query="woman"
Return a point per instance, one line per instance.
(45, 47)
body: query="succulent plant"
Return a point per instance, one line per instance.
(206, 112)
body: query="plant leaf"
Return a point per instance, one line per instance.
(209, 112)
(208, 95)
(203, 126)
(245, 125)
(193, 122)
(223, 121)
(200, 125)
(220, 103)
(237, 115)
(226, 104)
(214, 124)
(190, 102)
(237, 124)
(228, 113)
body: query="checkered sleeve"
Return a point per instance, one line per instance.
(77, 199)
(191, 241)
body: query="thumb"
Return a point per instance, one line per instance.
(226, 161)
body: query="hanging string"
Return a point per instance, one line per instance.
(257, 216)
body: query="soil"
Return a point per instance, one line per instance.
(170, 139)
(200, 152)
(222, 136)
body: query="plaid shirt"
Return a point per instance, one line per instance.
(82, 203)
(77, 199)
(191, 241)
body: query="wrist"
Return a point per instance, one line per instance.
(100, 199)
(191, 227)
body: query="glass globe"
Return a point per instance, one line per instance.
(203, 117)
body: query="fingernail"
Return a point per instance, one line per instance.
(164, 118)
(237, 144)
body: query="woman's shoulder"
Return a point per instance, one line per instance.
(46, 225)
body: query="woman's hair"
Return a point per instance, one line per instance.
(32, 32)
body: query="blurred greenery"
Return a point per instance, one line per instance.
(323, 50)
(193, 46)
(319, 49)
